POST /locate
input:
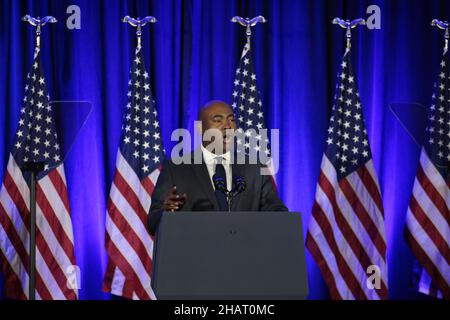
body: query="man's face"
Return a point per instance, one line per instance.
(219, 117)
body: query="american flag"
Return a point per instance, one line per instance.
(428, 218)
(36, 141)
(346, 233)
(128, 242)
(247, 107)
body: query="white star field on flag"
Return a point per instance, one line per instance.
(36, 137)
(247, 106)
(347, 143)
(437, 142)
(141, 139)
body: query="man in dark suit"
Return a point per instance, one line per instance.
(190, 187)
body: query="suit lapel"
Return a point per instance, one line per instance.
(201, 172)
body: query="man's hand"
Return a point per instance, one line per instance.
(173, 201)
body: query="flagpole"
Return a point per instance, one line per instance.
(34, 168)
(349, 25)
(248, 23)
(139, 23)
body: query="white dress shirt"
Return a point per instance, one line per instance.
(211, 161)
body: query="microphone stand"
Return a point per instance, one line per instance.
(220, 185)
(229, 198)
(34, 168)
(239, 186)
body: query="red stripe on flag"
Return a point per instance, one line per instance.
(17, 198)
(13, 287)
(347, 231)
(54, 223)
(108, 278)
(323, 266)
(148, 185)
(42, 245)
(427, 225)
(344, 269)
(364, 217)
(59, 185)
(433, 194)
(18, 244)
(428, 264)
(129, 234)
(128, 288)
(371, 186)
(13, 237)
(126, 268)
(128, 193)
(20, 249)
(53, 266)
(42, 289)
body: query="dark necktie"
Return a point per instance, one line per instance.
(220, 196)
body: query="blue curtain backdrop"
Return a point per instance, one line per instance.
(192, 53)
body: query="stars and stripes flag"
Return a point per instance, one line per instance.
(428, 218)
(247, 106)
(36, 141)
(346, 234)
(128, 242)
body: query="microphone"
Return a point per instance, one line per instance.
(219, 183)
(221, 186)
(239, 186)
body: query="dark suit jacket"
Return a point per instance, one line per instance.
(193, 179)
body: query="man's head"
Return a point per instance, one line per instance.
(218, 117)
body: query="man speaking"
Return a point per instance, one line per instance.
(217, 179)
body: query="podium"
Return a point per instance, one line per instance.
(223, 255)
